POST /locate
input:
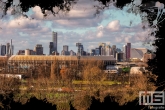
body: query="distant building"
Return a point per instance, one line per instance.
(108, 50)
(3, 50)
(102, 48)
(72, 53)
(128, 51)
(97, 51)
(92, 53)
(30, 52)
(21, 52)
(114, 50)
(140, 54)
(119, 56)
(54, 40)
(80, 49)
(51, 48)
(148, 56)
(65, 50)
(38, 49)
(7, 48)
(11, 51)
(124, 52)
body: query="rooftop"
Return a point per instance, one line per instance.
(54, 57)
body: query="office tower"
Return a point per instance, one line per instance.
(92, 52)
(128, 51)
(124, 52)
(11, 48)
(51, 48)
(3, 50)
(120, 56)
(114, 50)
(21, 52)
(38, 49)
(65, 48)
(11, 51)
(7, 48)
(108, 50)
(54, 40)
(102, 48)
(80, 49)
(97, 51)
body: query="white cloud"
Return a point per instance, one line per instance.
(100, 34)
(114, 25)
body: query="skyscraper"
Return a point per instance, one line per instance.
(11, 48)
(38, 49)
(51, 48)
(124, 52)
(114, 50)
(3, 50)
(102, 48)
(7, 48)
(80, 49)
(128, 51)
(108, 50)
(54, 39)
(65, 48)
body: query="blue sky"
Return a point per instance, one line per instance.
(111, 26)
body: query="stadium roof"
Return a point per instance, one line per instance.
(3, 57)
(136, 53)
(144, 50)
(54, 57)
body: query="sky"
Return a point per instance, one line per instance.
(83, 23)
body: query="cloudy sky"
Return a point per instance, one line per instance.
(82, 24)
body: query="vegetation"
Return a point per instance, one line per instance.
(10, 87)
(64, 87)
(126, 69)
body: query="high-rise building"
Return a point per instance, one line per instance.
(3, 50)
(128, 51)
(108, 50)
(21, 52)
(11, 51)
(114, 50)
(11, 48)
(80, 49)
(51, 48)
(29, 52)
(124, 52)
(102, 48)
(7, 48)
(92, 52)
(38, 49)
(54, 39)
(97, 51)
(65, 48)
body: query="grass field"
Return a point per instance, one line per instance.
(97, 82)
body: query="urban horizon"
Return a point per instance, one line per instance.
(89, 51)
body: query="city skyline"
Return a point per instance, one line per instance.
(79, 25)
